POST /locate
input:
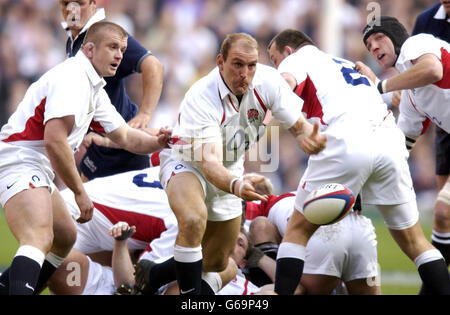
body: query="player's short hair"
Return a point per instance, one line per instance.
(291, 38)
(232, 38)
(96, 33)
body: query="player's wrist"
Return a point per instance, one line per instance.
(381, 86)
(232, 184)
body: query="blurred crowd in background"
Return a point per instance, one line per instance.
(185, 35)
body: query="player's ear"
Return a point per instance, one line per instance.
(88, 49)
(288, 49)
(220, 62)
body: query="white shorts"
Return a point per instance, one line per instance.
(346, 249)
(100, 280)
(372, 163)
(21, 177)
(221, 205)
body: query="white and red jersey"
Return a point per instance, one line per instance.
(431, 103)
(277, 209)
(240, 285)
(333, 91)
(210, 112)
(72, 88)
(135, 197)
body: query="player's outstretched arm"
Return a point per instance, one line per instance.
(121, 263)
(427, 69)
(131, 139)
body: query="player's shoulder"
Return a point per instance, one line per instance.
(420, 44)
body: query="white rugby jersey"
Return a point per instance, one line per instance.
(239, 286)
(72, 88)
(431, 103)
(135, 197)
(332, 90)
(209, 113)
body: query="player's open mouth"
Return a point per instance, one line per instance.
(114, 65)
(380, 56)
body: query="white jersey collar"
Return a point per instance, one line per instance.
(441, 15)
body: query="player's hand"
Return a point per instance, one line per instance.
(86, 207)
(245, 189)
(164, 135)
(139, 121)
(122, 231)
(99, 140)
(315, 143)
(263, 188)
(365, 70)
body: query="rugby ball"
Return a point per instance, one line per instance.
(328, 204)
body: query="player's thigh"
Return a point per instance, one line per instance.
(363, 287)
(316, 284)
(186, 195)
(299, 229)
(219, 241)
(29, 216)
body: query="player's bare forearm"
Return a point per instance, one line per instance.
(122, 266)
(217, 174)
(138, 141)
(214, 171)
(152, 72)
(427, 69)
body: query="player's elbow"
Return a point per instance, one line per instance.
(434, 72)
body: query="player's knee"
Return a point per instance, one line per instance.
(215, 263)
(65, 236)
(192, 226)
(262, 230)
(442, 215)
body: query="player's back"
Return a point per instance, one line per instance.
(332, 90)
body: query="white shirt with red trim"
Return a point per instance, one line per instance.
(72, 88)
(209, 113)
(135, 197)
(430, 103)
(333, 91)
(239, 286)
